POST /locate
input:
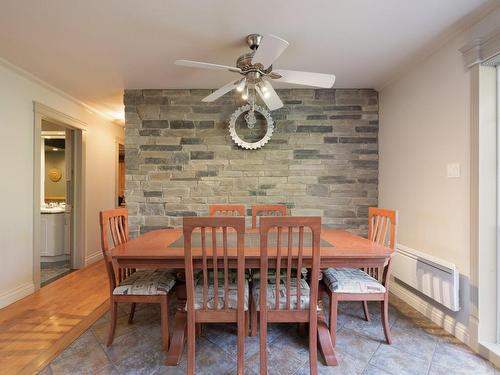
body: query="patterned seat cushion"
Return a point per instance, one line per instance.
(351, 280)
(232, 275)
(271, 274)
(271, 294)
(232, 295)
(146, 282)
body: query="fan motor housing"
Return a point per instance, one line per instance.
(245, 60)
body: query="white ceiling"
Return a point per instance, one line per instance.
(93, 49)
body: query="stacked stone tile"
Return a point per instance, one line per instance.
(322, 158)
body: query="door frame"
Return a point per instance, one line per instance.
(42, 112)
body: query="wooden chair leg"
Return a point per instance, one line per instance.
(165, 336)
(132, 312)
(112, 327)
(242, 332)
(263, 345)
(198, 329)
(385, 319)
(333, 318)
(313, 345)
(253, 317)
(366, 311)
(191, 337)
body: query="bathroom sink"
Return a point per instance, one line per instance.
(52, 210)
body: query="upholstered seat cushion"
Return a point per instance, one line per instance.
(271, 274)
(271, 294)
(146, 282)
(232, 295)
(351, 280)
(232, 275)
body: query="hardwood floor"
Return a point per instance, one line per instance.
(35, 329)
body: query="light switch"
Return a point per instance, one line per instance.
(453, 170)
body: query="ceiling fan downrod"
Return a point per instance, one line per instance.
(253, 41)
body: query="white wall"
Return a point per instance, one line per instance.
(17, 93)
(424, 120)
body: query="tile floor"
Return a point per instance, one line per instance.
(419, 347)
(51, 271)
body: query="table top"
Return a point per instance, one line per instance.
(336, 246)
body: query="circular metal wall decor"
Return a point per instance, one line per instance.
(55, 174)
(251, 120)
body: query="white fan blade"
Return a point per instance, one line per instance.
(306, 78)
(204, 65)
(223, 90)
(270, 48)
(270, 97)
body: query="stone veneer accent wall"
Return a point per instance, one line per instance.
(322, 159)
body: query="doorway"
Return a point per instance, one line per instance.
(57, 197)
(120, 175)
(58, 233)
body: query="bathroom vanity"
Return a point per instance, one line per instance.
(55, 230)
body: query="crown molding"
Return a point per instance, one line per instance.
(31, 77)
(481, 49)
(440, 41)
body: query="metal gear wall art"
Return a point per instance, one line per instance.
(251, 120)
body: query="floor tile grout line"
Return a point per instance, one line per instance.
(104, 350)
(382, 369)
(367, 363)
(432, 357)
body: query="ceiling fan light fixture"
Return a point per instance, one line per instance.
(241, 85)
(245, 94)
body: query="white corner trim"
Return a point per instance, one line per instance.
(481, 49)
(443, 320)
(92, 258)
(15, 294)
(31, 77)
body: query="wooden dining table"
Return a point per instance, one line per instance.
(164, 249)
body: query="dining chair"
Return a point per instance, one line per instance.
(226, 210)
(128, 285)
(368, 284)
(287, 297)
(215, 295)
(267, 210)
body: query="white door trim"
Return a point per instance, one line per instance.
(482, 171)
(42, 112)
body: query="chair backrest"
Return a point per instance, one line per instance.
(381, 222)
(226, 210)
(267, 210)
(114, 232)
(293, 227)
(215, 259)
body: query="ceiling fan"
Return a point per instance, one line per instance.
(257, 71)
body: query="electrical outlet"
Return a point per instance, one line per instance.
(453, 170)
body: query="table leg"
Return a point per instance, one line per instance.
(179, 332)
(325, 341)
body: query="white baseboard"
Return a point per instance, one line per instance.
(439, 317)
(92, 258)
(15, 294)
